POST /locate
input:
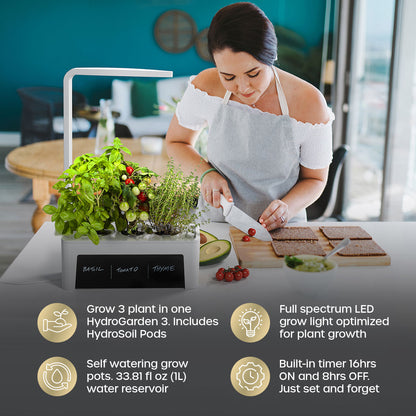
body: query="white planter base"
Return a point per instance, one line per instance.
(118, 261)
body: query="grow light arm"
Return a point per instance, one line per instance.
(118, 72)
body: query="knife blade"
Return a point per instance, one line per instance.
(242, 221)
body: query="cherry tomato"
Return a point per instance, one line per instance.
(142, 186)
(135, 190)
(150, 195)
(246, 238)
(123, 177)
(229, 276)
(238, 275)
(130, 216)
(124, 206)
(143, 206)
(129, 181)
(220, 275)
(246, 272)
(143, 216)
(142, 197)
(251, 232)
(129, 170)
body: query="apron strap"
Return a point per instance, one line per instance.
(226, 97)
(281, 95)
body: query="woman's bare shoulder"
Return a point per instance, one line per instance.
(306, 103)
(209, 81)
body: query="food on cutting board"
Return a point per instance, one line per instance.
(246, 238)
(214, 252)
(233, 273)
(339, 233)
(360, 248)
(206, 237)
(251, 232)
(294, 233)
(314, 264)
(295, 241)
(293, 247)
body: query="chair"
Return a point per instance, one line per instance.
(42, 114)
(324, 206)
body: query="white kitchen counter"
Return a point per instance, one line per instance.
(40, 260)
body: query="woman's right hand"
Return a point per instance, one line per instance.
(212, 186)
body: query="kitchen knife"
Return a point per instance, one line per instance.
(242, 221)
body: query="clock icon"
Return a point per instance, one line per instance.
(250, 376)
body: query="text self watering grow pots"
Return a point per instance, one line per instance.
(92, 260)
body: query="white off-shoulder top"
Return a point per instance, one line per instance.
(313, 141)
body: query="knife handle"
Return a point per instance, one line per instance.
(226, 205)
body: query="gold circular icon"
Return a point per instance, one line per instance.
(57, 376)
(250, 322)
(250, 376)
(57, 322)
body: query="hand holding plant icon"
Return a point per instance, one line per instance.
(58, 325)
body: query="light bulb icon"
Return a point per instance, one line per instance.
(251, 320)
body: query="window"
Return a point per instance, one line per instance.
(368, 107)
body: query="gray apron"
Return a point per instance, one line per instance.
(255, 152)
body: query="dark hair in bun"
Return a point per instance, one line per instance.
(243, 27)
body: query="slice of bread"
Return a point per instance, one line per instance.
(294, 233)
(339, 233)
(292, 248)
(360, 248)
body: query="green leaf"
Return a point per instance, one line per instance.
(49, 209)
(82, 230)
(125, 150)
(293, 261)
(67, 215)
(114, 156)
(97, 225)
(121, 223)
(93, 236)
(79, 235)
(59, 225)
(87, 190)
(79, 216)
(59, 185)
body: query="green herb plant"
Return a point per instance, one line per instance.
(172, 210)
(100, 194)
(91, 191)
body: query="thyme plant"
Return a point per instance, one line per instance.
(172, 210)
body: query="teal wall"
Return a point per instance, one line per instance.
(41, 40)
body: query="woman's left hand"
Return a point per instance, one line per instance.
(275, 215)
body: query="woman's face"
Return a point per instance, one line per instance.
(243, 75)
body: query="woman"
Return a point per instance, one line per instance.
(270, 138)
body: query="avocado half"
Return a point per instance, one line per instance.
(214, 252)
(206, 237)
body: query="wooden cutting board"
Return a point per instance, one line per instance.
(260, 254)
